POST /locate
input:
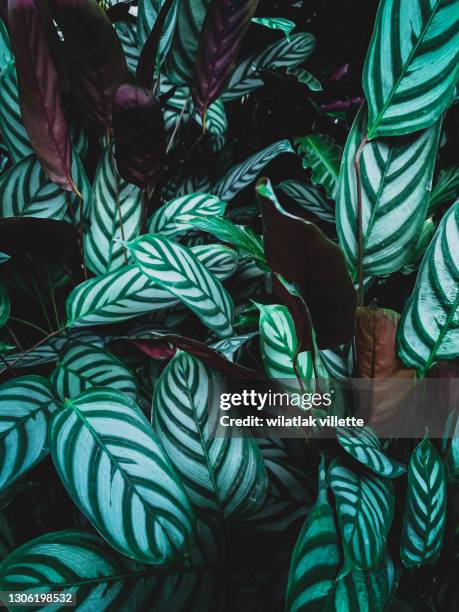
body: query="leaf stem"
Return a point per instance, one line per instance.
(25, 353)
(360, 253)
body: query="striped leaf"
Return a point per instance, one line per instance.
(148, 12)
(306, 78)
(116, 209)
(425, 512)
(26, 191)
(243, 174)
(289, 53)
(363, 445)
(411, 68)
(176, 269)
(180, 60)
(6, 55)
(365, 506)
(396, 175)
(11, 127)
(26, 404)
(79, 562)
(339, 362)
(221, 474)
(172, 218)
(276, 23)
(127, 34)
(127, 292)
(82, 366)
(113, 467)
(445, 189)
(429, 328)
(310, 198)
(322, 155)
(4, 305)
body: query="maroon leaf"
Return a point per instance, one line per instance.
(39, 96)
(303, 256)
(44, 237)
(140, 138)
(224, 27)
(96, 58)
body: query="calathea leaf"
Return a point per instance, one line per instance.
(276, 23)
(221, 37)
(138, 126)
(13, 132)
(148, 13)
(322, 155)
(445, 189)
(288, 53)
(243, 174)
(113, 467)
(43, 237)
(223, 474)
(116, 209)
(396, 175)
(172, 219)
(127, 292)
(82, 366)
(176, 269)
(365, 506)
(126, 31)
(425, 513)
(181, 58)
(411, 68)
(39, 99)
(26, 403)
(96, 57)
(4, 305)
(363, 445)
(429, 329)
(310, 198)
(299, 252)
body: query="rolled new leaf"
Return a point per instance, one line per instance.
(140, 137)
(39, 97)
(224, 28)
(96, 58)
(302, 255)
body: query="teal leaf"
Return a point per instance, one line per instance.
(13, 131)
(445, 189)
(310, 198)
(306, 78)
(127, 34)
(4, 305)
(276, 23)
(116, 472)
(322, 155)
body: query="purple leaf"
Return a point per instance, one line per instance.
(302, 255)
(222, 33)
(96, 58)
(140, 139)
(39, 96)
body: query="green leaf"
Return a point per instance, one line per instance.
(242, 238)
(82, 366)
(310, 198)
(425, 512)
(172, 219)
(289, 53)
(243, 174)
(13, 132)
(306, 78)
(176, 269)
(26, 404)
(26, 191)
(116, 209)
(114, 469)
(411, 68)
(396, 175)
(223, 474)
(276, 23)
(127, 34)
(363, 445)
(322, 155)
(148, 12)
(4, 257)
(6, 55)
(127, 292)
(181, 57)
(429, 328)
(445, 189)
(4, 305)
(365, 507)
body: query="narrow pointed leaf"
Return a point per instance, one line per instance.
(147, 16)
(323, 156)
(113, 467)
(276, 23)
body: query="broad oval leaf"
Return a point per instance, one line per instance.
(429, 329)
(82, 366)
(425, 512)
(13, 132)
(363, 445)
(39, 96)
(223, 31)
(411, 68)
(172, 218)
(396, 176)
(322, 155)
(115, 470)
(365, 507)
(26, 403)
(176, 269)
(224, 474)
(116, 210)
